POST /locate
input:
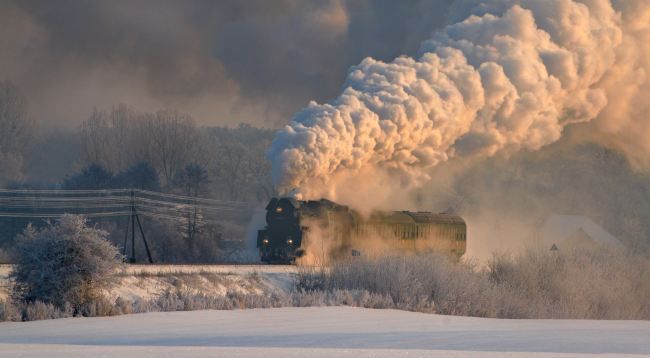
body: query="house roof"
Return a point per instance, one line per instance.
(558, 228)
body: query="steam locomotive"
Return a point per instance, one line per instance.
(294, 228)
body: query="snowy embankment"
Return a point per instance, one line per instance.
(144, 282)
(4, 281)
(149, 281)
(320, 332)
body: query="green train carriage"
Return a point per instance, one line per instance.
(417, 231)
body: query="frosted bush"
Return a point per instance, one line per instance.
(9, 311)
(67, 262)
(599, 283)
(38, 310)
(417, 283)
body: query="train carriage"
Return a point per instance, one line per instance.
(418, 231)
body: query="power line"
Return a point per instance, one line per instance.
(116, 203)
(125, 193)
(58, 215)
(49, 203)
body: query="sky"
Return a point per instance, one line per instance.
(223, 62)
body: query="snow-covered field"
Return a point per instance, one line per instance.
(320, 332)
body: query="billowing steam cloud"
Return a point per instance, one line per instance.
(222, 62)
(510, 75)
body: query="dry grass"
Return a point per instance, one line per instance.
(591, 284)
(588, 283)
(415, 283)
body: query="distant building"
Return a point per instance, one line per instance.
(573, 231)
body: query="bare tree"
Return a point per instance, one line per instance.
(231, 161)
(15, 131)
(93, 131)
(239, 166)
(169, 141)
(192, 181)
(121, 138)
(109, 138)
(173, 138)
(121, 119)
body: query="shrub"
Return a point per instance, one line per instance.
(4, 257)
(38, 310)
(9, 311)
(139, 176)
(64, 263)
(92, 177)
(123, 306)
(424, 283)
(599, 283)
(596, 283)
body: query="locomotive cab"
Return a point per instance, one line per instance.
(280, 240)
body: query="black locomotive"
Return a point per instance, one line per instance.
(294, 227)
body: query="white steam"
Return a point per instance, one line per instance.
(510, 76)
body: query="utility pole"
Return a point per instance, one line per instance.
(132, 220)
(132, 260)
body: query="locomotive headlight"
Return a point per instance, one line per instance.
(290, 242)
(265, 241)
(278, 209)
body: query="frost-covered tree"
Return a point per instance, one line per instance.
(64, 263)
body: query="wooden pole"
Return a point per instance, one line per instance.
(132, 260)
(146, 246)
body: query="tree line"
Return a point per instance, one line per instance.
(231, 160)
(120, 147)
(121, 141)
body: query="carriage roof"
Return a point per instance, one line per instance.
(416, 217)
(319, 207)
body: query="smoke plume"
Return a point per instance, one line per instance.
(222, 62)
(510, 75)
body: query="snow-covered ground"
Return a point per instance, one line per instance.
(226, 269)
(4, 281)
(320, 332)
(149, 281)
